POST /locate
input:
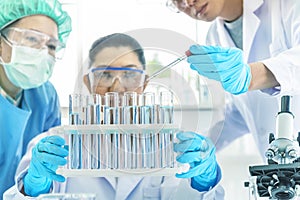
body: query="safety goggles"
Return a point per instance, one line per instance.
(33, 39)
(128, 76)
(176, 5)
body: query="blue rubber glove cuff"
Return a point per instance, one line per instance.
(202, 185)
(243, 85)
(36, 185)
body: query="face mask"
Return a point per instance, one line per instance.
(29, 67)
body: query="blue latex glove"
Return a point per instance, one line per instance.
(47, 155)
(221, 64)
(199, 152)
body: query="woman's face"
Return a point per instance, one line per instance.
(114, 80)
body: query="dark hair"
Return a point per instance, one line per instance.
(117, 40)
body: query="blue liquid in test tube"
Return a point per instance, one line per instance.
(94, 106)
(166, 117)
(111, 116)
(75, 140)
(147, 113)
(85, 137)
(130, 116)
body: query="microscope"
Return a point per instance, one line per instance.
(280, 178)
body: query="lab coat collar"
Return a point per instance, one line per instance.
(124, 186)
(252, 5)
(250, 25)
(249, 20)
(225, 39)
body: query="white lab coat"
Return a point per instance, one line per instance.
(271, 34)
(134, 187)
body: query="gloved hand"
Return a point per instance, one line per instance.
(199, 152)
(47, 155)
(221, 64)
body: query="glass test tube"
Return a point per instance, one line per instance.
(94, 106)
(146, 138)
(74, 109)
(86, 138)
(130, 116)
(111, 114)
(111, 140)
(75, 139)
(166, 107)
(166, 138)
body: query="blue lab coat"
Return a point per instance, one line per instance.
(39, 110)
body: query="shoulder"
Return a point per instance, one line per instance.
(290, 9)
(46, 89)
(285, 4)
(44, 93)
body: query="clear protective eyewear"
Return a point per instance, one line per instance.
(34, 39)
(129, 77)
(176, 5)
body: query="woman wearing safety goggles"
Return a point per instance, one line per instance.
(115, 69)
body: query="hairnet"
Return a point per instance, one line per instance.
(12, 10)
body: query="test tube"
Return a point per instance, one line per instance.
(147, 101)
(94, 105)
(111, 116)
(166, 107)
(102, 137)
(145, 138)
(94, 108)
(166, 117)
(130, 116)
(86, 137)
(75, 139)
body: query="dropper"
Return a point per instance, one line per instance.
(175, 62)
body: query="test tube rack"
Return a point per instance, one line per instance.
(120, 150)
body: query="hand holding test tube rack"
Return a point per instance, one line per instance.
(106, 139)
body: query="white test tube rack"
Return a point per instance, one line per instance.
(92, 154)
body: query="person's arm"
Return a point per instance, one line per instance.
(262, 77)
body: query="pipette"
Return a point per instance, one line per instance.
(175, 62)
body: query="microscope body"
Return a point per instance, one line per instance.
(280, 178)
